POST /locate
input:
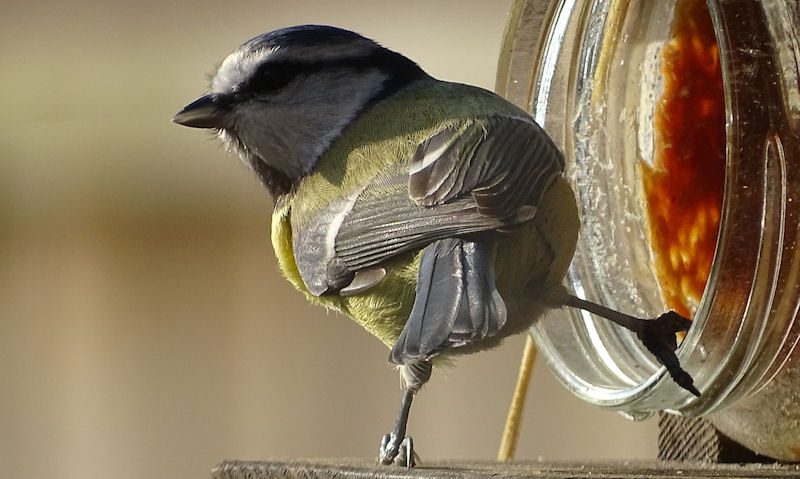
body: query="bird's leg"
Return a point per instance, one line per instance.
(396, 448)
(657, 335)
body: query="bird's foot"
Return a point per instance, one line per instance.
(399, 451)
(658, 336)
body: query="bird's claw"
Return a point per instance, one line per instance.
(396, 451)
(658, 336)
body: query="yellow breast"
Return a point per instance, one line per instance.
(382, 310)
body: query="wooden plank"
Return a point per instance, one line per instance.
(696, 439)
(359, 469)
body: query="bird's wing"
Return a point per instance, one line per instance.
(457, 301)
(470, 177)
(474, 176)
(505, 163)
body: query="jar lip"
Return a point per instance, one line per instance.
(634, 397)
(610, 397)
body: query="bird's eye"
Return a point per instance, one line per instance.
(270, 77)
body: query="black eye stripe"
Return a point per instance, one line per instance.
(270, 78)
(274, 75)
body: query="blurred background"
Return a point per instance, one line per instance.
(145, 330)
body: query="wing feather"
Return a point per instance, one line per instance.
(470, 176)
(456, 303)
(474, 176)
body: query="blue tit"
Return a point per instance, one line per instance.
(434, 214)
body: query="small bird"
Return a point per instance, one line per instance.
(434, 214)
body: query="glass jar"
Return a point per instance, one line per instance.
(591, 73)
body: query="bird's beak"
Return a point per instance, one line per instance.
(205, 112)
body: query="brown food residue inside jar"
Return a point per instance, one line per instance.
(684, 186)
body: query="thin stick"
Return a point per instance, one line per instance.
(508, 445)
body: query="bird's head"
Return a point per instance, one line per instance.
(283, 97)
